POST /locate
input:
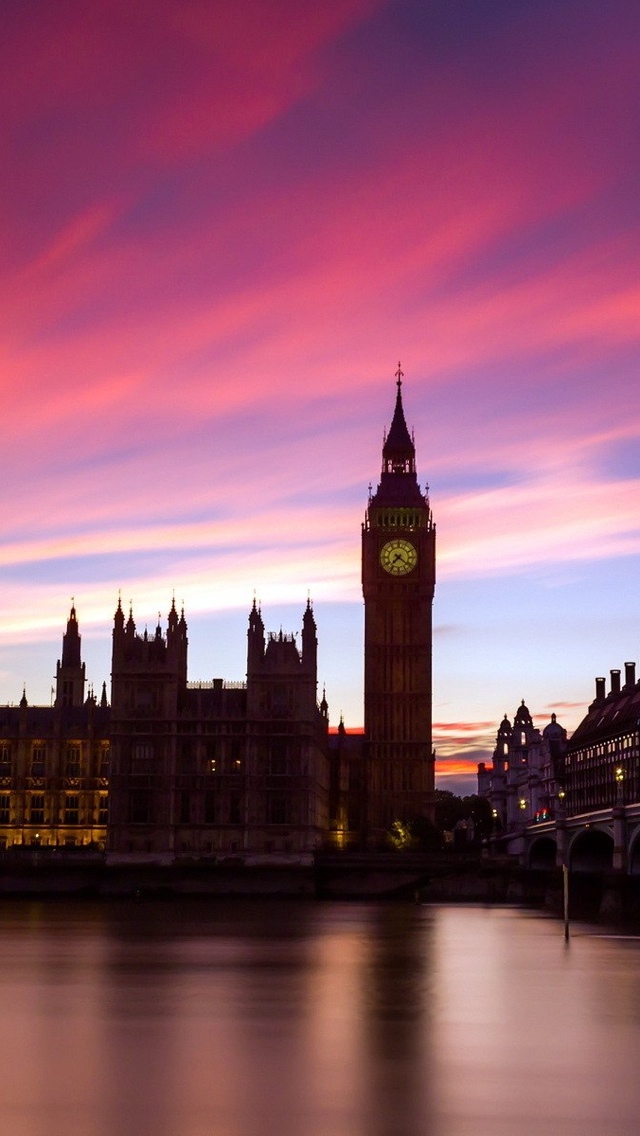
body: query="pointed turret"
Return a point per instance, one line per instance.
(309, 639)
(182, 647)
(70, 671)
(118, 636)
(71, 641)
(255, 638)
(398, 481)
(398, 452)
(324, 706)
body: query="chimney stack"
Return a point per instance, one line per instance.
(615, 682)
(600, 691)
(629, 675)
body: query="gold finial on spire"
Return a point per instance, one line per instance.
(399, 375)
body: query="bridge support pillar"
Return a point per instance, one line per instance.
(619, 839)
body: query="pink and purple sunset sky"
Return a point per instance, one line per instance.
(222, 225)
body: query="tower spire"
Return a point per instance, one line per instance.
(398, 451)
(70, 671)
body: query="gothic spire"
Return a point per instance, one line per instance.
(398, 452)
(118, 618)
(71, 641)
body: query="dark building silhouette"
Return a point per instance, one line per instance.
(539, 776)
(171, 766)
(527, 772)
(602, 764)
(203, 768)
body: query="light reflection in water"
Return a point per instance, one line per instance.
(302, 1019)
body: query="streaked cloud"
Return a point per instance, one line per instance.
(222, 224)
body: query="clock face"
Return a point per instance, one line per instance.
(398, 557)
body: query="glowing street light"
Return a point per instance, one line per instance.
(619, 776)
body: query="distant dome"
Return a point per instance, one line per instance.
(522, 715)
(553, 729)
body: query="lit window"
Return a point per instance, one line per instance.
(36, 808)
(37, 761)
(72, 762)
(105, 755)
(71, 811)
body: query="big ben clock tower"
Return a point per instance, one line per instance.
(398, 582)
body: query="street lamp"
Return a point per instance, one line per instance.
(619, 776)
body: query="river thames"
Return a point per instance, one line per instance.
(313, 1019)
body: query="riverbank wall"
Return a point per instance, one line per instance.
(419, 877)
(425, 877)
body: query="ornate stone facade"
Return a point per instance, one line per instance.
(171, 767)
(527, 772)
(216, 768)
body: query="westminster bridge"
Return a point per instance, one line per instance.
(603, 840)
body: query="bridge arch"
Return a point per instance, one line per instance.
(591, 850)
(633, 859)
(542, 854)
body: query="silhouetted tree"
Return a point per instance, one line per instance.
(426, 834)
(451, 809)
(417, 835)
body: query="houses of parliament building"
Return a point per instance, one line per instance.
(168, 767)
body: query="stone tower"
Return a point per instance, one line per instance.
(148, 679)
(398, 583)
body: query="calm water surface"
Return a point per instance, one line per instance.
(278, 1019)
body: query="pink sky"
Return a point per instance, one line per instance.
(221, 226)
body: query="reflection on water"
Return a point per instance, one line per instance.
(302, 1019)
